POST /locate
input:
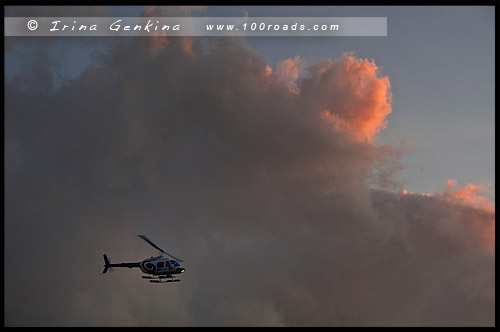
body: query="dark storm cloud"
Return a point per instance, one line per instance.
(37, 64)
(256, 177)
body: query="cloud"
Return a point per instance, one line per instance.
(257, 177)
(469, 195)
(42, 61)
(55, 11)
(287, 73)
(362, 98)
(172, 10)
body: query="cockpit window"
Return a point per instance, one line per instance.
(175, 263)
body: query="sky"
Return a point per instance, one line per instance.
(305, 181)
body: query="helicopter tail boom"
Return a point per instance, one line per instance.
(107, 264)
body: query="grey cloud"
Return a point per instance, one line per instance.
(221, 165)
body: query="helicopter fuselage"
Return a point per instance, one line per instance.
(161, 266)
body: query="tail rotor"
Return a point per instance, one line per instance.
(107, 265)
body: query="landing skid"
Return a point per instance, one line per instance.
(161, 279)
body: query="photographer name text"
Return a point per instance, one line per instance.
(116, 26)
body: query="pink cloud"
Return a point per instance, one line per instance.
(469, 195)
(287, 73)
(350, 93)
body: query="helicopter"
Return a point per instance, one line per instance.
(161, 268)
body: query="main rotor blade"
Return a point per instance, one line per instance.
(151, 243)
(144, 237)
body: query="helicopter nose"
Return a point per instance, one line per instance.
(180, 270)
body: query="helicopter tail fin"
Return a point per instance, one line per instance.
(107, 264)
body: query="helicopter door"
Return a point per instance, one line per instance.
(167, 266)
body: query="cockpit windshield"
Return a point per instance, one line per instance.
(175, 263)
